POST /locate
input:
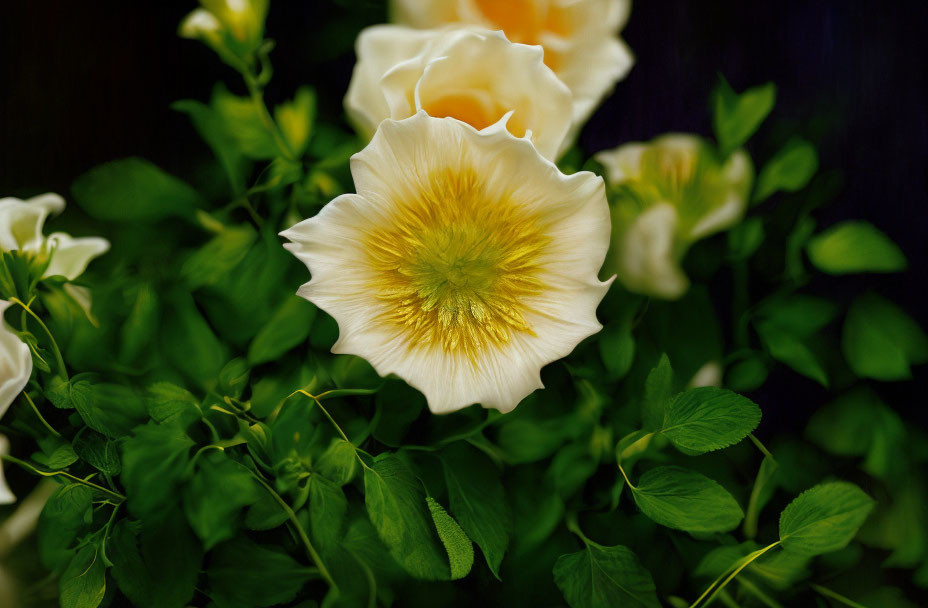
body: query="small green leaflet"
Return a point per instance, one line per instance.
(707, 418)
(154, 462)
(791, 350)
(824, 518)
(214, 498)
(686, 500)
(63, 518)
(327, 509)
(855, 246)
(83, 583)
(737, 116)
(288, 328)
(460, 548)
(881, 341)
(604, 577)
(658, 390)
(789, 170)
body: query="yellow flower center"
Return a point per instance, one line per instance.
(476, 108)
(454, 266)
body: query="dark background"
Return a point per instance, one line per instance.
(86, 82)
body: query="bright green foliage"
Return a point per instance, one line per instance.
(327, 509)
(603, 577)
(881, 341)
(824, 518)
(83, 583)
(855, 246)
(658, 391)
(686, 500)
(789, 170)
(737, 116)
(460, 548)
(705, 419)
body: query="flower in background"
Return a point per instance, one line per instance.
(21, 225)
(465, 262)
(475, 76)
(15, 369)
(580, 37)
(665, 195)
(228, 26)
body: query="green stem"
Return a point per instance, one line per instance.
(836, 596)
(304, 538)
(39, 414)
(626, 477)
(334, 424)
(760, 446)
(745, 562)
(574, 527)
(32, 469)
(60, 360)
(257, 97)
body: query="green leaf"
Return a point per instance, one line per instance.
(745, 239)
(747, 375)
(140, 326)
(189, 341)
(396, 506)
(617, 349)
(295, 119)
(83, 583)
(855, 246)
(210, 126)
(881, 341)
(171, 404)
(63, 517)
(98, 451)
(658, 391)
(736, 117)
(56, 453)
(111, 409)
(154, 462)
(708, 418)
(215, 497)
(244, 123)
(459, 547)
(327, 509)
(790, 350)
(266, 514)
(789, 170)
(243, 574)
(288, 328)
(339, 462)
(477, 500)
(799, 315)
(133, 190)
(686, 500)
(605, 577)
(824, 518)
(219, 255)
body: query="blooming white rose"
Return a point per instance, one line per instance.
(665, 195)
(464, 264)
(21, 225)
(476, 76)
(580, 37)
(15, 370)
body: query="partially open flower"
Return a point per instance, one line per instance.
(15, 369)
(21, 225)
(229, 26)
(665, 195)
(580, 37)
(465, 262)
(476, 76)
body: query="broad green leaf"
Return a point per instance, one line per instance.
(396, 506)
(327, 509)
(111, 409)
(63, 517)
(244, 123)
(477, 500)
(686, 500)
(617, 349)
(855, 246)
(83, 583)
(171, 404)
(189, 341)
(154, 462)
(658, 391)
(737, 116)
(98, 451)
(222, 253)
(605, 577)
(881, 341)
(459, 547)
(846, 426)
(570, 467)
(824, 518)
(214, 498)
(799, 314)
(339, 462)
(288, 328)
(266, 514)
(789, 170)
(708, 418)
(792, 351)
(133, 190)
(243, 574)
(56, 453)
(233, 378)
(140, 326)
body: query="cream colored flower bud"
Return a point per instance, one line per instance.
(580, 37)
(665, 195)
(476, 76)
(21, 224)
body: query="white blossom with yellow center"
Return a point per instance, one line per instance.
(21, 224)
(665, 195)
(580, 37)
(15, 369)
(476, 76)
(465, 262)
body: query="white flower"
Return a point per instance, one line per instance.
(580, 37)
(6, 494)
(476, 76)
(21, 225)
(464, 264)
(665, 195)
(15, 369)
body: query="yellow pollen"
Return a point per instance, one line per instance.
(455, 265)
